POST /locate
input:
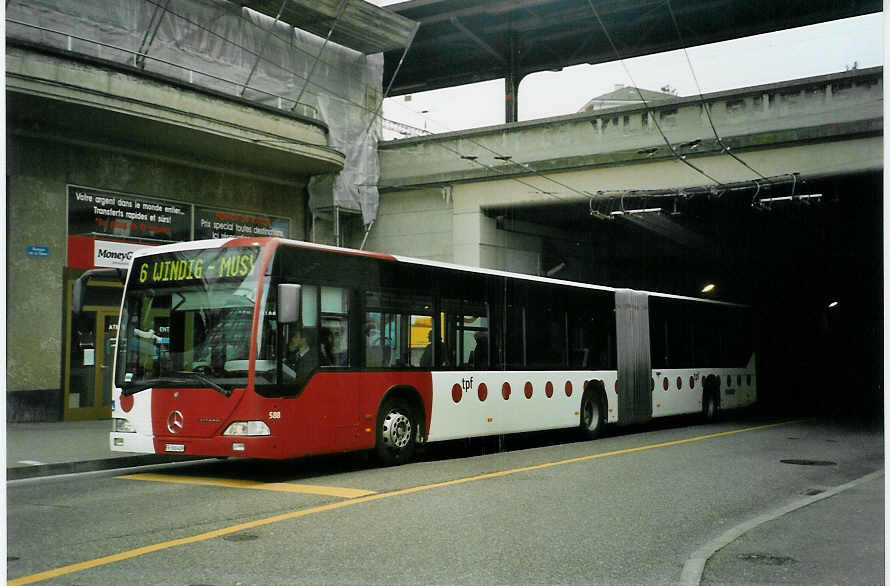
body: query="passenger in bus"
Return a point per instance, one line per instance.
(479, 355)
(326, 347)
(426, 359)
(378, 348)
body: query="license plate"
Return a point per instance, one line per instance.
(174, 447)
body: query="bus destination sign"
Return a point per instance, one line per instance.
(190, 266)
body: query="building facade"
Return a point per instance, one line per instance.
(113, 146)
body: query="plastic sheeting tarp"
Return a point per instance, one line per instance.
(220, 46)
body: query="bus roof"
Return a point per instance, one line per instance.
(275, 242)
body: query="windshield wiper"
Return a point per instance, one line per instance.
(185, 378)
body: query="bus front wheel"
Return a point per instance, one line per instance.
(396, 430)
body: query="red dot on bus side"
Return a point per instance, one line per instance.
(568, 388)
(528, 390)
(456, 393)
(616, 386)
(548, 390)
(679, 383)
(691, 382)
(505, 391)
(665, 384)
(483, 392)
(127, 403)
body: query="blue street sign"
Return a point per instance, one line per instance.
(38, 250)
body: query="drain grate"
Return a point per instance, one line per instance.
(809, 462)
(814, 492)
(767, 559)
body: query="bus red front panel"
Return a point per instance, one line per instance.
(336, 412)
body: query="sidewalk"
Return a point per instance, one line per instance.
(65, 447)
(838, 540)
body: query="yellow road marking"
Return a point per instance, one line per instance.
(125, 555)
(346, 493)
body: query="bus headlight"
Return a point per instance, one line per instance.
(122, 426)
(248, 428)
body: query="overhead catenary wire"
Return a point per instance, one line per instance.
(705, 106)
(507, 159)
(667, 142)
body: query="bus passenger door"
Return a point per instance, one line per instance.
(634, 362)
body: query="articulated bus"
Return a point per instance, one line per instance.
(272, 348)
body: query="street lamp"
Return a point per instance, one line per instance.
(708, 288)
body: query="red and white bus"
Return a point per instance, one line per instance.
(271, 348)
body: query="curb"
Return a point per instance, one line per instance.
(42, 470)
(695, 565)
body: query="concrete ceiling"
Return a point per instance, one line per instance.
(355, 24)
(826, 246)
(465, 41)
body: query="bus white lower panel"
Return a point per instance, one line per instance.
(472, 404)
(136, 410)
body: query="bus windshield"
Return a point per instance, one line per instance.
(187, 319)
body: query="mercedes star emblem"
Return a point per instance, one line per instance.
(175, 421)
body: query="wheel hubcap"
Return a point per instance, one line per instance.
(396, 430)
(591, 415)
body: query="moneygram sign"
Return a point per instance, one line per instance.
(114, 255)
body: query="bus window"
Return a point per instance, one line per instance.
(590, 341)
(658, 334)
(288, 354)
(707, 337)
(679, 337)
(423, 352)
(333, 335)
(545, 330)
(393, 321)
(591, 319)
(467, 343)
(300, 357)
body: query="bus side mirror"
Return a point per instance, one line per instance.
(289, 303)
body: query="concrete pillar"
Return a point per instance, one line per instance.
(467, 229)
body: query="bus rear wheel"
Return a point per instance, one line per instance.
(396, 431)
(592, 419)
(710, 408)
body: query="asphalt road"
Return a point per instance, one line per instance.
(628, 508)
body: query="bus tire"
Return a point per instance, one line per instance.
(396, 432)
(592, 414)
(710, 406)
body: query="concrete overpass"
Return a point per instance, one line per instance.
(554, 172)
